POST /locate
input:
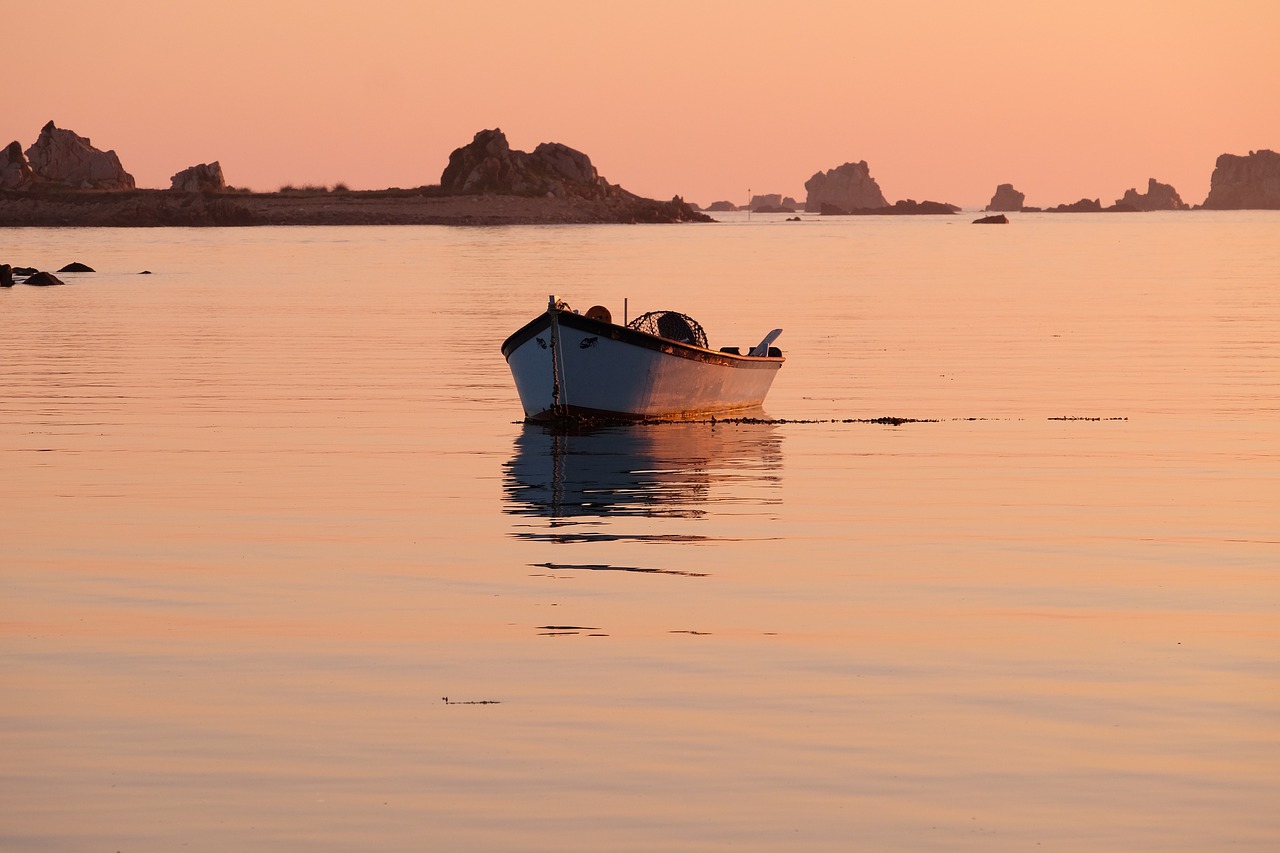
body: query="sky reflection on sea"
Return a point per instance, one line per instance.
(284, 570)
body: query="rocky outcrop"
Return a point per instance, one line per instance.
(66, 158)
(849, 187)
(766, 202)
(43, 279)
(1006, 199)
(903, 207)
(1084, 205)
(15, 172)
(1245, 183)
(1157, 197)
(489, 165)
(772, 203)
(721, 207)
(994, 219)
(420, 206)
(204, 178)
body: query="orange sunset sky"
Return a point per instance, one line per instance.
(708, 100)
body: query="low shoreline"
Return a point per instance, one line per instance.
(423, 206)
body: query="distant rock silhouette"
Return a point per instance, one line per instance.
(1084, 205)
(6, 275)
(44, 279)
(995, 219)
(63, 157)
(849, 188)
(76, 266)
(721, 207)
(489, 165)
(15, 172)
(206, 177)
(1006, 199)
(1245, 183)
(904, 207)
(772, 203)
(1157, 197)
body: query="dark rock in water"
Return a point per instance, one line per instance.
(25, 270)
(6, 275)
(145, 272)
(44, 279)
(997, 219)
(76, 266)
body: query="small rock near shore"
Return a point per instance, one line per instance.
(76, 266)
(44, 279)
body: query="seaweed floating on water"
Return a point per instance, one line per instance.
(604, 567)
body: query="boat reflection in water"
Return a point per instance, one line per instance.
(588, 484)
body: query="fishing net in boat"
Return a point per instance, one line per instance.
(671, 325)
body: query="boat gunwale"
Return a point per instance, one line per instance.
(624, 334)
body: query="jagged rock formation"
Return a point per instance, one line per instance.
(204, 178)
(1245, 183)
(15, 172)
(66, 158)
(489, 165)
(849, 187)
(1006, 199)
(1157, 197)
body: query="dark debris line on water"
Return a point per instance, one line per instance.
(605, 567)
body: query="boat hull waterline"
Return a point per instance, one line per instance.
(568, 366)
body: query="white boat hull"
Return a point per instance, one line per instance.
(570, 366)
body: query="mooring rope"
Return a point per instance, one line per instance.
(557, 383)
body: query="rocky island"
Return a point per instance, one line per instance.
(1245, 183)
(62, 180)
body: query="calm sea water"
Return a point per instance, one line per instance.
(282, 570)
